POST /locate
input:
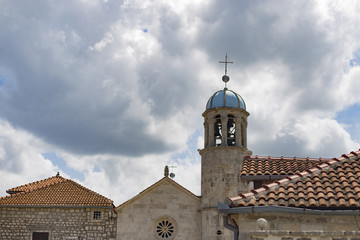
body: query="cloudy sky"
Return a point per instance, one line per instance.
(108, 92)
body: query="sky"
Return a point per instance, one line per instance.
(108, 92)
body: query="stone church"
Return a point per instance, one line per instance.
(242, 196)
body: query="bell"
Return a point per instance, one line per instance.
(217, 132)
(230, 123)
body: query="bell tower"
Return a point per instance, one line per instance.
(225, 145)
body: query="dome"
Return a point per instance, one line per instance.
(225, 98)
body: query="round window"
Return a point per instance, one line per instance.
(165, 228)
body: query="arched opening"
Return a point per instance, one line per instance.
(217, 130)
(231, 131)
(243, 133)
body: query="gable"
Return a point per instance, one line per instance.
(165, 189)
(165, 202)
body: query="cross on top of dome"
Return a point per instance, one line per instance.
(225, 97)
(225, 78)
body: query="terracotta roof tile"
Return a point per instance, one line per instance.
(36, 185)
(328, 185)
(259, 166)
(55, 191)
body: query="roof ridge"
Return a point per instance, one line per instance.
(48, 187)
(35, 183)
(268, 187)
(35, 189)
(141, 192)
(289, 158)
(152, 186)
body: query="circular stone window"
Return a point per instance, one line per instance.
(165, 228)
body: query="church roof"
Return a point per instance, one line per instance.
(272, 168)
(54, 191)
(332, 184)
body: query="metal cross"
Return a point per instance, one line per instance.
(226, 62)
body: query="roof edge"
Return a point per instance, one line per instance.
(148, 189)
(223, 208)
(58, 206)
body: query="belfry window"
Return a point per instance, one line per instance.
(231, 130)
(217, 130)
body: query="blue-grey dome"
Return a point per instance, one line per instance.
(226, 98)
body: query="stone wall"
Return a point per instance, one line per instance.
(290, 226)
(220, 174)
(19, 223)
(140, 218)
(220, 177)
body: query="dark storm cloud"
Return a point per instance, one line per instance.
(59, 94)
(88, 78)
(169, 86)
(280, 32)
(259, 31)
(131, 79)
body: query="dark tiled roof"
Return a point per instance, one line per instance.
(332, 184)
(57, 192)
(277, 166)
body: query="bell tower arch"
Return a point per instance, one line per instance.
(225, 145)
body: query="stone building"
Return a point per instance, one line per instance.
(245, 196)
(165, 210)
(242, 196)
(56, 208)
(319, 203)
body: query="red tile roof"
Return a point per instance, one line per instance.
(332, 184)
(256, 167)
(54, 191)
(37, 184)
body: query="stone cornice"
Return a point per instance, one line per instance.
(227, 148)
(230, 109)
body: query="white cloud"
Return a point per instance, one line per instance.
(20, 158)
(108, 38)
(122, 85)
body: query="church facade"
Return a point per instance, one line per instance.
(242, 196)
(165, 210)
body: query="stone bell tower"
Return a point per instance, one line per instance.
(225, 124)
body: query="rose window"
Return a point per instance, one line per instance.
(165, 228)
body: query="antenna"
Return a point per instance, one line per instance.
(172, 175)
